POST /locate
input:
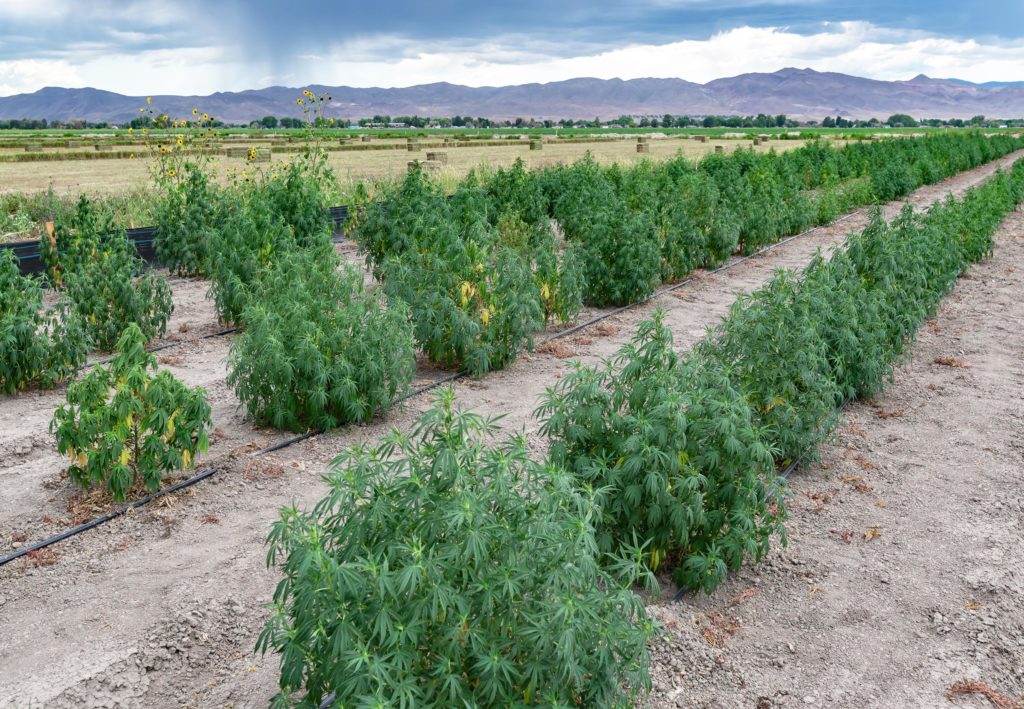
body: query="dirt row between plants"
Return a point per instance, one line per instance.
(162, 607)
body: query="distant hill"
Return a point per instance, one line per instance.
(799, 93)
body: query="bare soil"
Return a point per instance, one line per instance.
(161, 608)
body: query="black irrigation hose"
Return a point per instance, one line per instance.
(202, 475)
(165, 346)
(413, 393)
(107, 517)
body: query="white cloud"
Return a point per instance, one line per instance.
(26, 75)
(34, 10)
(856, 48)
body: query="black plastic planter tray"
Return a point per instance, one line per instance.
(30, 260)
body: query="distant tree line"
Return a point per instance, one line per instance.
(902, 120)
(41, 123)
(669, 120)
(761, 120)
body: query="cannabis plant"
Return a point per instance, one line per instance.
(771, 344)
(264, 220)
(319, 351)
(470, 287)
(36, 346)
(675, 455)
(446, 569)
(123, 425)
(187, 218)
(109, 297)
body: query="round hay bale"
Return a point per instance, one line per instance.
(719, 148)
(365, 138)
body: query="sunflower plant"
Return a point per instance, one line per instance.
(192, 206)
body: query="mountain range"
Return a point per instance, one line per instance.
(799, 93)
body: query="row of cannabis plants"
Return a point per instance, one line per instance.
(484, 268)
(481, 270)
(123, 426)
(635, 227)
(465, 278)
(444, 568)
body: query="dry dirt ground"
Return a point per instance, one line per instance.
(161, 608)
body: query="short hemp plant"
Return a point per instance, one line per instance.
(123, 426)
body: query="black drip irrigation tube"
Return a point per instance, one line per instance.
(107, 517)
(208, 472)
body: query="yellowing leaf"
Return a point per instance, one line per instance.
(125, 456)
(186, 458)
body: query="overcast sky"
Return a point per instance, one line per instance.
(194, 47)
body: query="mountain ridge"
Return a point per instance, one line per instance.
(799, 93)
